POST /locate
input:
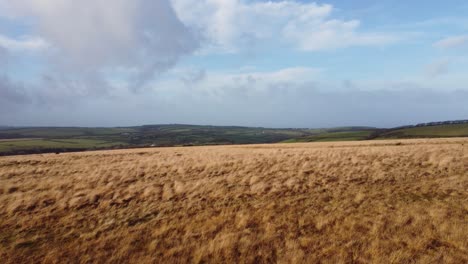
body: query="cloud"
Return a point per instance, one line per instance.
(332, 34)
(243, 84)
(3, 57)
(452, 42)
(25, 43)
(50, 92)
(257, 100)
(105, 38)
(235, 25)
(290, 97)
(101, 35)
(192, 76)
(437, 68)
(11, 94)
(294, 98)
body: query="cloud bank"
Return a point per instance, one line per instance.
(267, 99)
(234, 25)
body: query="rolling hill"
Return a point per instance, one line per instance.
(30, 140)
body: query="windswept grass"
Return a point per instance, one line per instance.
(400, 201)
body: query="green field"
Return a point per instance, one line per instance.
(38, 144)
(63, 132)
(58, 139)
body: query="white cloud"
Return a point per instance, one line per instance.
(25, 43)
(452, 42)
(237, 84)
(94, 35)
(233, 25)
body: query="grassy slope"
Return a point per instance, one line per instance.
(334, 136)
(456, 130)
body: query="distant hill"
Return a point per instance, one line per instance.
(430, 130)
(61, 139)
(453, 122)
(28, 140)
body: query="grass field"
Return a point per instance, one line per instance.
(395, 201)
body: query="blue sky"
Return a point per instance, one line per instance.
(232, 62)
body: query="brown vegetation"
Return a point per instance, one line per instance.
(351, 202)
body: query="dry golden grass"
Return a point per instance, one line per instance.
(352, 202)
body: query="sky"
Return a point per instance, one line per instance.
(283, 63)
